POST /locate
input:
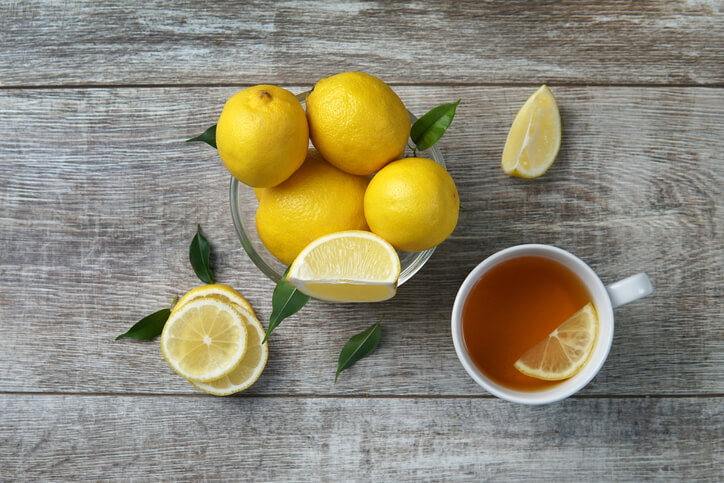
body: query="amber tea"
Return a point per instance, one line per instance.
(515, 305)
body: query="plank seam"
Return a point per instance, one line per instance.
(352, 396)
(394, 84)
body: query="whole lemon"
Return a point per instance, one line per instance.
(412, 203)
(357, 122)
(316, 200)
(262, 135)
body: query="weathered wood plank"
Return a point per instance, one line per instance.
(100, 198)
(345, 439)
(92, 43)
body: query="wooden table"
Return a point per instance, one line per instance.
(101, 197)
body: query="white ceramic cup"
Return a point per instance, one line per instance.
(605, 299)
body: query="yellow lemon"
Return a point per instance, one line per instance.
(357, 122)
(565, 351)
(262, 135)
(316, 200)
(349, 266)
(535, 136)
(412, 203)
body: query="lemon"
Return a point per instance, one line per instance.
(204, 339)
(349, 266)
(262, 135)
(565, 351)
(412, 203)
(535, 136)
(251, 366)
(224, 293)
(316, 200)
(357, 122)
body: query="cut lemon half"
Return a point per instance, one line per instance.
(204, 340)
(251, 366)
(535, 136)
(565, 351)
(223, 293)
(348, 266)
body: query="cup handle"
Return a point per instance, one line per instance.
(629, 289)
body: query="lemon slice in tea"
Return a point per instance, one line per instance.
(348, 266)
(535, 136)
(565, 351)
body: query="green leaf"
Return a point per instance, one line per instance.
(208, 137)
(429, 128)
(286, 301)
(357, 347)
(149, 326)
(199, 253)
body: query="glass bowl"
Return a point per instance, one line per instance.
(243, 211)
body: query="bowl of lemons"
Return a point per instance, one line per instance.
(350, 194)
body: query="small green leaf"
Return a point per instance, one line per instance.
(149, 326)
(429, 128)
(357, 347)
(208, 137)
(286, 301)
(199, 253)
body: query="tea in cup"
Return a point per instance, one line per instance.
(514, 299)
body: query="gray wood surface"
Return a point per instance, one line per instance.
(453, 41)
(100, 196)
(360, 439)
(99, 211)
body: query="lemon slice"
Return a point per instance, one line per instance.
(204, 340)
(223, 293)
(565, 351)
(535, 136)
(347, 266)
(251, 366)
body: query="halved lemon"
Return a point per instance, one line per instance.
(251, 366)
(348, 266)
(219, 291)
(204, 340)
(535, 136)
(565, 351)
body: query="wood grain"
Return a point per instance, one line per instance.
(360, 439)
(450, 42)
(100, 199)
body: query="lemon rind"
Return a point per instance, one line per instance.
(214, 289)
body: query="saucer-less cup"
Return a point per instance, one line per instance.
(605, 299)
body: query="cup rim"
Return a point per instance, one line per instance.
(602, 303)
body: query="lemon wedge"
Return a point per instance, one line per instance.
(223, 293)
(565, 351)
(204, 340)
(347, 266)
(251, 366)
(535, 136)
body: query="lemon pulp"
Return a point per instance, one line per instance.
(251, 366)
(204, 340)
